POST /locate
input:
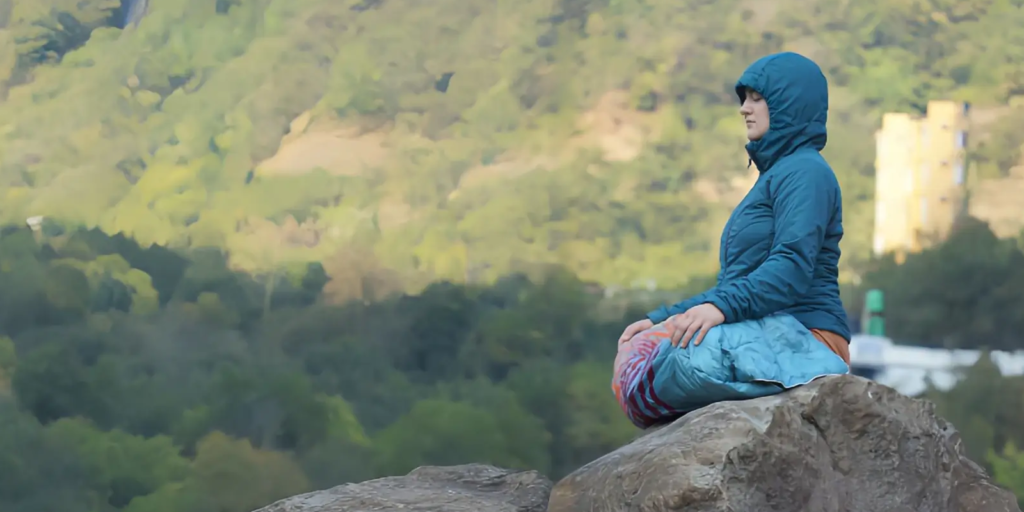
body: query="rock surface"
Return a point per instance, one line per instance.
(469, 488)
(840, 444)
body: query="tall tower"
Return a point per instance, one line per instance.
(919, 177)
(897, 156)
(943, 175)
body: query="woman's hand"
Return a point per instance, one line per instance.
(635, 328)
(698, 318)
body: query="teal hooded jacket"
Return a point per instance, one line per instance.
(779, 251)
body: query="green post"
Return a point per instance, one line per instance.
(874, 313)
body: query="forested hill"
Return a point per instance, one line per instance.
(415, 141)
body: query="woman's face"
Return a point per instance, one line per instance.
(755, 112)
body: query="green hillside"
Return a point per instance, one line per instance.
(405, 142)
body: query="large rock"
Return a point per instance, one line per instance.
(839, 444)
(469, 488)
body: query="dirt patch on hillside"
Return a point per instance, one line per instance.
(997, 202)
(615, 128)
(340, 149)
(611, 127)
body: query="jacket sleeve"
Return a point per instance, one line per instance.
(663, 313)
(804, 204)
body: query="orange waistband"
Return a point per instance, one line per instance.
(834, 342)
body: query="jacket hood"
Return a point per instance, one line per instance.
(797, 94)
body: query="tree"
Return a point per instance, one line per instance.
(1008, 469)
(233, 476)
(964, 293)
(120, 466)
(985, 407)
(596, 423)
(227, 475)
(440, 432)
(342, 456)
(527, 439)
(39, 473)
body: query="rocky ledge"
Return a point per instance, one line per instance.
(841, 444)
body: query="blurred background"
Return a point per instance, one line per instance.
(260, 247)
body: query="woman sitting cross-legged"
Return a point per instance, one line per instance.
(774, 319)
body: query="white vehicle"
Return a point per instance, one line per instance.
(908, 368)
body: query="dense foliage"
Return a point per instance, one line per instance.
(144, 380)
(201, 389)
